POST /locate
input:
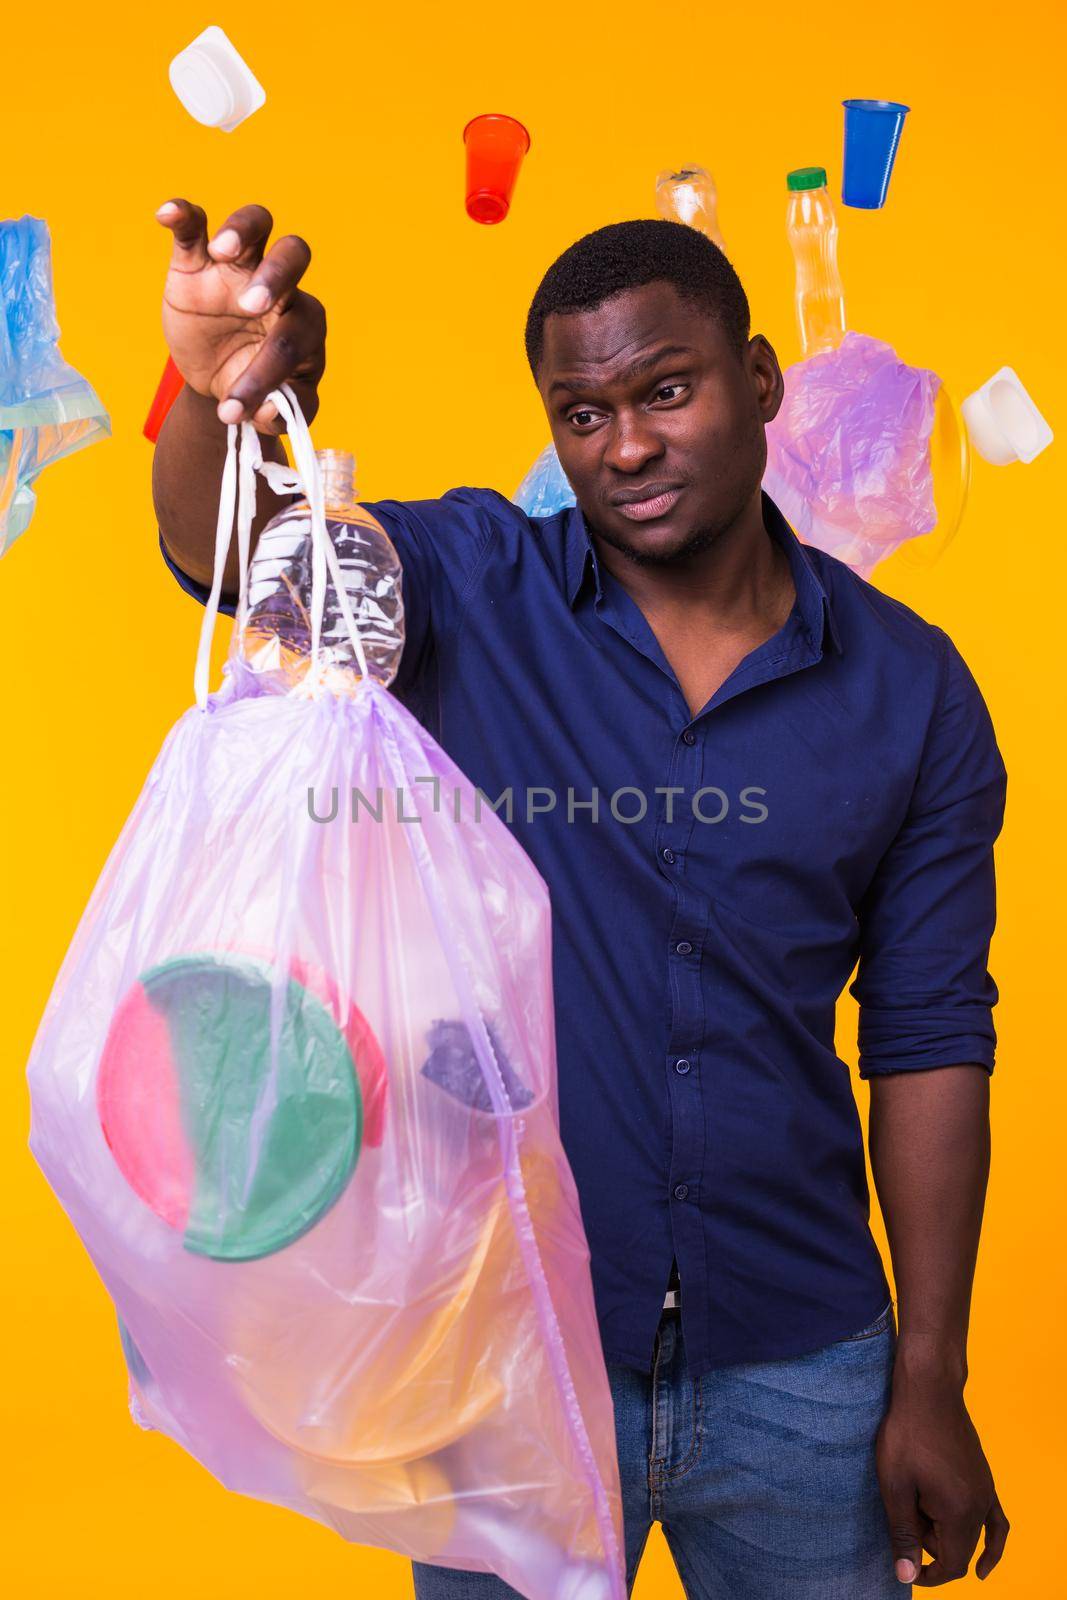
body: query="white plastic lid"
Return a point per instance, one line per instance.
(213, 83)
(1003, 422)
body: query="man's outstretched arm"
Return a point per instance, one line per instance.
(930, 1147)
(237, 325)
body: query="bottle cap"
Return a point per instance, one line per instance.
(806, 178)
(213, 83)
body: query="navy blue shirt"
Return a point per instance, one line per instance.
(714, 881)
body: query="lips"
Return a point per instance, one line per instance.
(653, 505)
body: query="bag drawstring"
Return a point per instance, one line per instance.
(244, 459)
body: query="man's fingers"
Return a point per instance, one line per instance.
(996, 1534)
(956, 1541)
(240, 240)
(295, 347)
(906, 1529)
(188, 225)
(276, 276)
(267, 420)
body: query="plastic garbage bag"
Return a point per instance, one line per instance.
(848, 456)
(46, 410)
(295, 1088)
(545, 489)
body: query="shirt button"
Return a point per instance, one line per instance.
(681, 1190)
(689, 736)
(684, 948)
(668, 855)
(682, 1066)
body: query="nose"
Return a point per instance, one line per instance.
(633, 443)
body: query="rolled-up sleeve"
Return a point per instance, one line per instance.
(924, 988)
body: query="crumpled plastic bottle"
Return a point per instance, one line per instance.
(275, 642)
(47, 410)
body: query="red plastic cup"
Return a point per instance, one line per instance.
(170, 386)
(495, 148)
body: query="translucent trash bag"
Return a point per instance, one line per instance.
(46, 410)
(849, 454)
(295, 1088)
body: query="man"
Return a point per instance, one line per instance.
(740, 768)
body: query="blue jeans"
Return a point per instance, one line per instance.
(761, 1474)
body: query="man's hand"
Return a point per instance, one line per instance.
(936, 1483)
(235, 320)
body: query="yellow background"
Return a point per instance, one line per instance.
(358, 148)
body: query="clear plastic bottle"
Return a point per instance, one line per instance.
(689, 195)
(812, 229)
(276, 641)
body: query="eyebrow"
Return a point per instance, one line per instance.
(635, 369)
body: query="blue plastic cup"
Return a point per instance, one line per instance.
(872, 133)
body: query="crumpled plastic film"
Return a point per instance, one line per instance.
(295, 1088)
(46, 410)
(545, 488)
(848, 456)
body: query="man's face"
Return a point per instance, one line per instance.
(658, 422)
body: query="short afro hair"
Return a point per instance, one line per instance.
(627, 255)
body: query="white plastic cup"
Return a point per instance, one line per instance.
(213, 83)
(1003, 423)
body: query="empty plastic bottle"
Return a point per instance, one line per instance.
(689, 195)
(277, 634)
(812, 229)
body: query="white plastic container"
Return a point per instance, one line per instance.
(213, 83)
(1003, 422)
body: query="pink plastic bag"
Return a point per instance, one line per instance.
(295, 1088)
(848, 456)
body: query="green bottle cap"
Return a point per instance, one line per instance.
(807, 178)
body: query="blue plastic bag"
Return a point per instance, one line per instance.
(544, 490)
(47, 410)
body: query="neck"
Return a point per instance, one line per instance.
(742, 571)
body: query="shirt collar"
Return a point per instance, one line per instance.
(813, 598)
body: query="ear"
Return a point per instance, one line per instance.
(766, 375)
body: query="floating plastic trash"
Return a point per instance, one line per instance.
(47, 411)
(690, 196)
(214, 83)
(295, 1088)
(496, 146)
(169, 388)
(1003, 421)
(848, 456)
(872, 136)
(811, 229)
(545, 488)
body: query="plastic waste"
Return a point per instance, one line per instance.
(689, 195)
(545, 488)
(269, 1089)
(872, 135)
(213, 82)
(169, 388)
(1003, 421)
(496, 147)
(47, 411)
(276, 638)
(812, 230)
(849, 454)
